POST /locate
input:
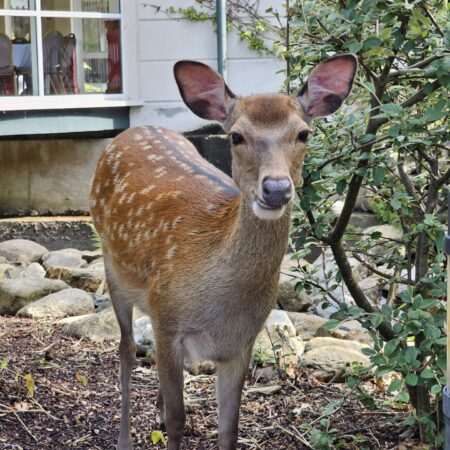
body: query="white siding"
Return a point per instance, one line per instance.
(164, 40)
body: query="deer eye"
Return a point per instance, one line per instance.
(237, 138)
(303, 136)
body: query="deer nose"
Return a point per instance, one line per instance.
(276, 192)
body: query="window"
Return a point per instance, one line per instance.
(60, 48)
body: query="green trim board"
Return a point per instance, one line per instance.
(63, 121)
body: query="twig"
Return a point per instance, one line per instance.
(297, 436)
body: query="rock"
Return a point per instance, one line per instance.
(68, 257)
(264, 390)
(65, 303)
(389, 232)
(280, 319)
(275, 344)
(343, 331)
(14, 273)
(21, 251)
(306, 325)
(3, 268)
(15, 294)
(95, 327)
(333, 357)
(97, 264)
(143, 331)
(364, 220)
(91, 255)
(200, 367)
(101, 302)
(34, 270)
(87, 279)
(289, 299)
(326, 263)
(325, 309)
(372, 288)
(287, 296)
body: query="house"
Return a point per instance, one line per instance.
(74, 73)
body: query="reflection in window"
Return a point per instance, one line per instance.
(99, 6)
(17, 4)
(81, 56)
(16, 47)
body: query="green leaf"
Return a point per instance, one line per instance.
(411, 379)
(390, 347)
(157, 437)
(378, 175)
(331, 324)
(340, 186)
(403, 397)
(354, 46)
(371, 42)
(411, 354)
(427, 373)
(392, 109)
(436, 389)
(396, 385)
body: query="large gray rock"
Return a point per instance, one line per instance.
(388, 232)
(306, 325)
(277, 341)
(333, 358)
(95, 327)
(15, 294)
(3, 269)
(65, 303)
(287, 296)
(280, 319)
(34, 270)
(21, 251)
(86, 279)
(68, 257)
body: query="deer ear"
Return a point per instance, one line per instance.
(203, 90)
(328, 86)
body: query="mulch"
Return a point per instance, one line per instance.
(76, 401)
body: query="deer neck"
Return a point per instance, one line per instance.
(256, 247)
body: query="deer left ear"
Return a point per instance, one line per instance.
(328, 86)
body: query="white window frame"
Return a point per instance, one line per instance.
(129, 59)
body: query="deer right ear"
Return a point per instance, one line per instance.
(203, 90)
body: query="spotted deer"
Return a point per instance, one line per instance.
(197, 251)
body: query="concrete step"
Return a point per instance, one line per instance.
(53, 232)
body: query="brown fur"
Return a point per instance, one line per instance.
(191, 247)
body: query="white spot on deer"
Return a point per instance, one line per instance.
(102, 202)
(122, 198)
(181, 177)
(140, 210)
(160, 169)
(161, 174)
(148, 189)
(172, 251)
(131, 197)
(138, 137)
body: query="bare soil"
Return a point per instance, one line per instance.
(76, 401)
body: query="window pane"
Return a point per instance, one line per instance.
(101, 6)
(81, 56)
(17, 4)
(18, 68)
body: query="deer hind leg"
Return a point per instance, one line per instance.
(170, 396)
(162, 414)
(123, 308)
(230, 381)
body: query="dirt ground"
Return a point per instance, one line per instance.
(76, 401)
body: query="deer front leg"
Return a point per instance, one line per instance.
(230, 381)
(170, 395)
(127, 351)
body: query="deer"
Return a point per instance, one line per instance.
(199, 251)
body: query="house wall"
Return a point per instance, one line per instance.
(163, 40)
(47, 176)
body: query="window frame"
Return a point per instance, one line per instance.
(128, 48)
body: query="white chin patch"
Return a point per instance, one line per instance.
(267, 214)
